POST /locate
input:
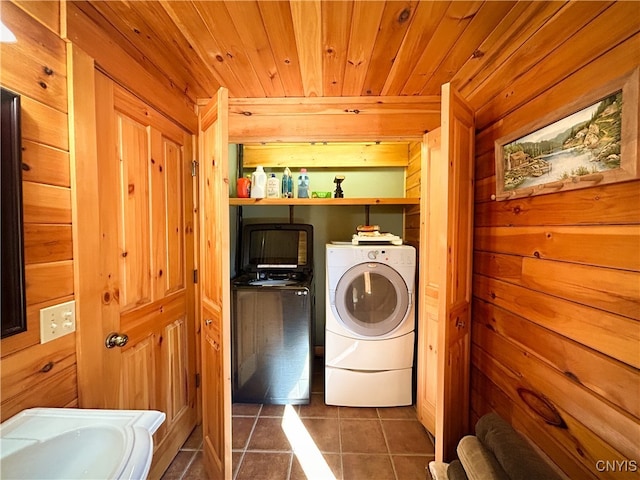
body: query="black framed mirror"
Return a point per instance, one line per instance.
(12, 294)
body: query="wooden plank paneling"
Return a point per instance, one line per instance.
(514, 369)
(426, 18)
(46, 203)
(307, 27)
(47, 243)
(46, 11)
(37, 57)
(364, 29)
(385, 154)
(337, 18)
(159, 92)
(43, 164)
(396, 19)
(557, 287)
(45, 281)
(599, 373)
(24, 370)
(326, 119)
(251, 31)
(611, 290)
(606, 205)
(570, 244)
(446, 35)
(58, 390)
(44, 124)
(611, 334)
(276, 17)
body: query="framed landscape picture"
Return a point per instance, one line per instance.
(591, 143)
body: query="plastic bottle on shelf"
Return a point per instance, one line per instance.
(287, 184)
(303, 184)
(273, 187)
(258, 183)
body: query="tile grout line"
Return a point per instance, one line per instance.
(246, 445)
(386, 442)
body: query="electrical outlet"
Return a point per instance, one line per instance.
(57, 320)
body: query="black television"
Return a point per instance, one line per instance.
(277, 246)
(12, 294)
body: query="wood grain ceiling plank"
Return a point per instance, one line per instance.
(543, 42)
(458, 16)
(143, 41)
(307, 26)
(396, 21)
(249, 24)
(617, 25)
(501, 42)
(174, 49)
(483, 23)
(336, 25)
(508, 38)
(230, 47)
(364, 29)
(193, 27)
(276, 17)
(427, 16)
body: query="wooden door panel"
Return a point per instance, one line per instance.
(214, 287)
(432, 244)
(176, 229)
(133, 193)
(158, 196)
(146, 218)
(137, 380)
(174, 356)
(452, 405)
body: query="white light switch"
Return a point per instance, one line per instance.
(57, 320)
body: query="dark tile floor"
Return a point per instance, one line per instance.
(317, 441)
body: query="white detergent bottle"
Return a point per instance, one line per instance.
(303, 184)
(273, 187)
(258, 183)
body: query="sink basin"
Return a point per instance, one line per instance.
(78, 444)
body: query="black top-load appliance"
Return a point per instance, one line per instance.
(272, 314)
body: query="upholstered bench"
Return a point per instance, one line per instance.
(498, 452)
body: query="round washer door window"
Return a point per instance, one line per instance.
(372, 299)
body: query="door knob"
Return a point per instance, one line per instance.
(116, 340)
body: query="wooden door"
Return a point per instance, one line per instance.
(146, 260)
(432, 243)
(445, 277)
(214, 286)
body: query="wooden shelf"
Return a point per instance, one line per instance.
(323, 201)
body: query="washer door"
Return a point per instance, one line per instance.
(372, 299)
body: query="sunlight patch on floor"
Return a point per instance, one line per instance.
(306, 451)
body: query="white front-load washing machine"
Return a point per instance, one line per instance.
(370, 324)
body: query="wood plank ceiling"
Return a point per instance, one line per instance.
(339, 48)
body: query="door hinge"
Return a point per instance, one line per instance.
(194, 168)
(195, 276)
(197, 380)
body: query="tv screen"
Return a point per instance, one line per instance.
(277, 246)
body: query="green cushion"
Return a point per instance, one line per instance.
(478, 462)
(518, 459)
(456, 472)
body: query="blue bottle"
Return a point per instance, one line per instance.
(287, 184)
(303, 184)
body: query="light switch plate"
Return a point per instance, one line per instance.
(57, 320)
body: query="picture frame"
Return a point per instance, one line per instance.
(590, 142)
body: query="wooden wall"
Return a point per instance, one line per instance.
(556, 285)
(35, 67)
